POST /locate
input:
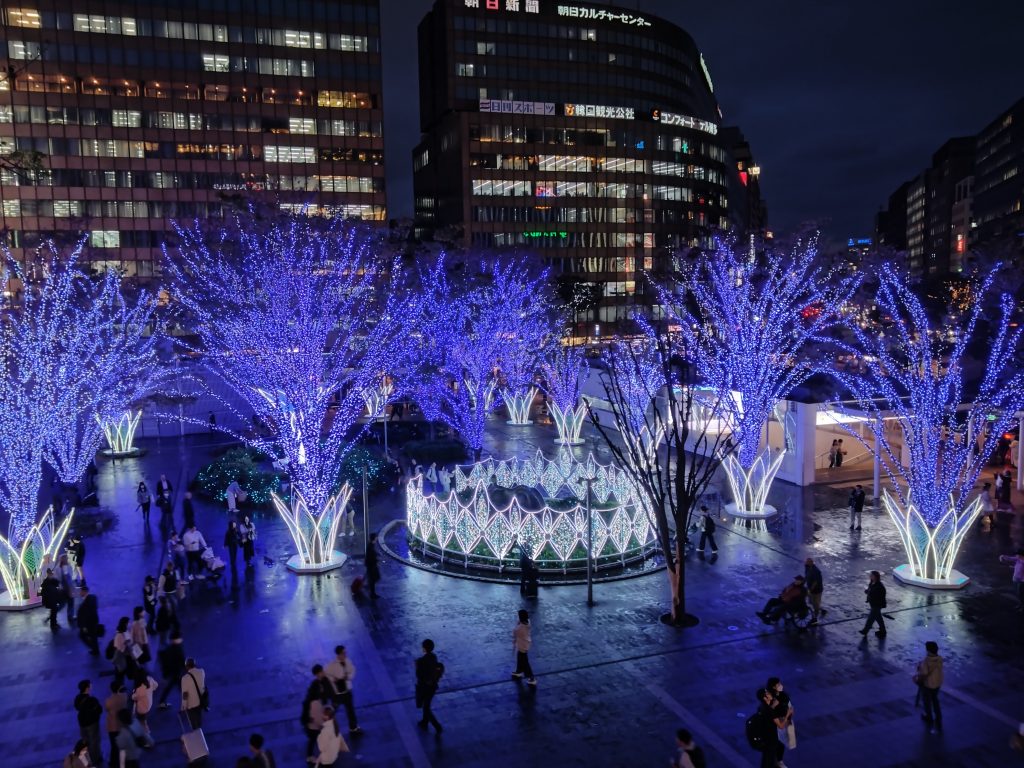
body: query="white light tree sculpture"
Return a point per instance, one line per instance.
(747, 321)
(950, 412)
(298, 316)
(563, 369)
(470, 330)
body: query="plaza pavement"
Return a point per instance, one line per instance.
(614, 682)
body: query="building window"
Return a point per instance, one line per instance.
(23, 17)
(105, 238)
(126, 118)
(301, 125)
(279, 154)
(214, 62)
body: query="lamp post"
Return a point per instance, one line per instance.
(366, 512)
(590, 546)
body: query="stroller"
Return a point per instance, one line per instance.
(213, 567)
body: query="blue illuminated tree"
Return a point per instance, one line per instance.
(299, 317)
(748, 323)
(563, 368)
(473, 325)
(949, 411)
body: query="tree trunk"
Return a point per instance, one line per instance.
(677, 587)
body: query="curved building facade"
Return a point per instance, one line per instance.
(587, 134)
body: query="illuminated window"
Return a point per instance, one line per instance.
(214, 62)
(66, 208)
(279, 154)
(301, 125)
(105, 238)
(12, 208)
(23, 17)
(17, 49)
(124, 118)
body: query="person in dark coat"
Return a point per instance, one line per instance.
(49, 591)
(372, 565)
(188, 511)
(172, 666)
(876, 602)
(88, 620)
(231, 542)
(428, 674)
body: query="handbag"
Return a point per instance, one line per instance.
(791, 735)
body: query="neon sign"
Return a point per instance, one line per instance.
(530, 6)
(707, 74)
(596, 14)
(534, 234)
(517, 107)
(685, 121)
(597, 110)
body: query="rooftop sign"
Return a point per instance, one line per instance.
(517, 107)
(597, 110)
(602, 14)
(530, 6)
(685, 121)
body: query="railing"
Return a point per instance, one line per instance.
(821, 461)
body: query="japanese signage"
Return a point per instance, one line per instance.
(530, 6)
(517, 107)
(685, 121)
(597, 110)
(602, 14)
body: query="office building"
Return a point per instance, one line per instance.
(586, 134)
(143, 112)
(998, 196)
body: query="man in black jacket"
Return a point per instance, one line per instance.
(772, 749)
(815, 586)
(49, 591)
(372, 565)
(88, 621)
(89, 712)
(428, 674)
(876, 602)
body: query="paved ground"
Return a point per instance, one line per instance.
(614, 683)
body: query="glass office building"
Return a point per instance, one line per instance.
(117, 116)
(587, 134)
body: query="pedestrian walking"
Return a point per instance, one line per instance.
(341, 672)
(247, 535)
(149, 602)
(372, 565)
(832, 451)
(856, 501)
(89, 712)
(194, 544)
(521, 642)
(194, 696)
(815, 587)
(312, 717)
(123, 656)
(1017, 561)
(348, 520)
(144, 501)
(115, 702)
(1005, 489)
(232, 539)
(929, 680)
(261, 756)
(428, 676)
(166, 619)
(688, 754)
(234, 495)
(88, 621)
(876, 602)
(172, 666)
(163, 493)
(66, 575)
(49, 591)
(329, 742)
(707, 532)
(130, 738)
(142, 697)
(76, 550)
(140, 637)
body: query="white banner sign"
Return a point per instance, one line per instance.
(517, 107)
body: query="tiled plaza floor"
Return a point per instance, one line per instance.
(614, 682)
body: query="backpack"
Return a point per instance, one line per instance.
(755, 731)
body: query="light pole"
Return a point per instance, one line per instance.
(590, 546)
(366, 513)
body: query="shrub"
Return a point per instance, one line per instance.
(243, 465)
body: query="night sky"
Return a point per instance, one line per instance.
(840, 101)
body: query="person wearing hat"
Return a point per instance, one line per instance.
(791, 596)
